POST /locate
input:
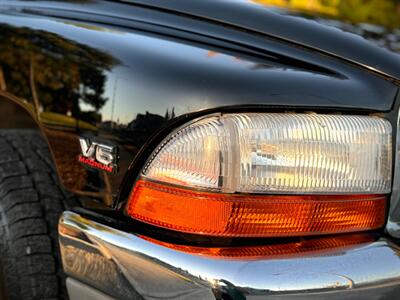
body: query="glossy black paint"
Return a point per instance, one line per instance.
(129, 74)
(247, 15)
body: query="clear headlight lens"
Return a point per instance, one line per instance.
(278, 153)
(220, 176)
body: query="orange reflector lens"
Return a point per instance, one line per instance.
(254, 215)
(316, 246)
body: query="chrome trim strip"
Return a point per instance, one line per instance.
(124, 265)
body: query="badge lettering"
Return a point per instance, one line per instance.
(87, 149)
(98, 155)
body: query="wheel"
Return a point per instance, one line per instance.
(31, 201)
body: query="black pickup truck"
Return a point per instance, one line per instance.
(200, 149)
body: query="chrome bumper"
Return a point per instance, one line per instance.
(125, 266)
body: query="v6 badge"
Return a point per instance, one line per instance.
(99, 155)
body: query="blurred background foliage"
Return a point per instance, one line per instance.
(379, 12)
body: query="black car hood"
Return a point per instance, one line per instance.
(247, 15)
(129, 75)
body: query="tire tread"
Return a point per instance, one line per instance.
(31, 201)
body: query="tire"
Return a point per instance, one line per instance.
(31, 201)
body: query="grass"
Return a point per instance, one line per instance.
(51, 118)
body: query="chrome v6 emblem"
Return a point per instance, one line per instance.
(98, 155)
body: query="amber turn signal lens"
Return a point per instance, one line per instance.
(242, 215)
